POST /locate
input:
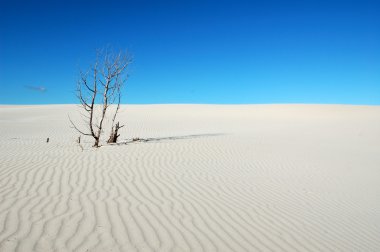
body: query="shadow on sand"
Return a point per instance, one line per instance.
(159, 139)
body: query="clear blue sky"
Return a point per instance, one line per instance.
(196, 51)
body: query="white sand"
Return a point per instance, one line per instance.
(216, 178)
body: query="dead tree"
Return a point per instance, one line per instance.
(99, 90)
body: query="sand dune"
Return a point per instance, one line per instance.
(211, 178)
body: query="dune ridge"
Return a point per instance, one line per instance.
(211, 178)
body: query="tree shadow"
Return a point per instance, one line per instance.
(170, 138)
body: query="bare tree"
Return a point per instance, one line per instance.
(98, 89)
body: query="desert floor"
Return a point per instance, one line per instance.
(210, 178)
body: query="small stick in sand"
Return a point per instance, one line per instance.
(78, 141)
(47, 140)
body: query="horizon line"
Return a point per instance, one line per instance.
(221, 104)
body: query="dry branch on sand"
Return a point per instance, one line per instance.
(103, 87)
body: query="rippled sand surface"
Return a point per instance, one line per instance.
(209, 178)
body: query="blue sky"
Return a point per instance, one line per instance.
(196, 51)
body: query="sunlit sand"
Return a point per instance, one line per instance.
(201, 178)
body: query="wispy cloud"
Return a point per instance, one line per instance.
(36, 88)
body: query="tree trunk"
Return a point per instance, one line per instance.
(96, 142)
(114, 133)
